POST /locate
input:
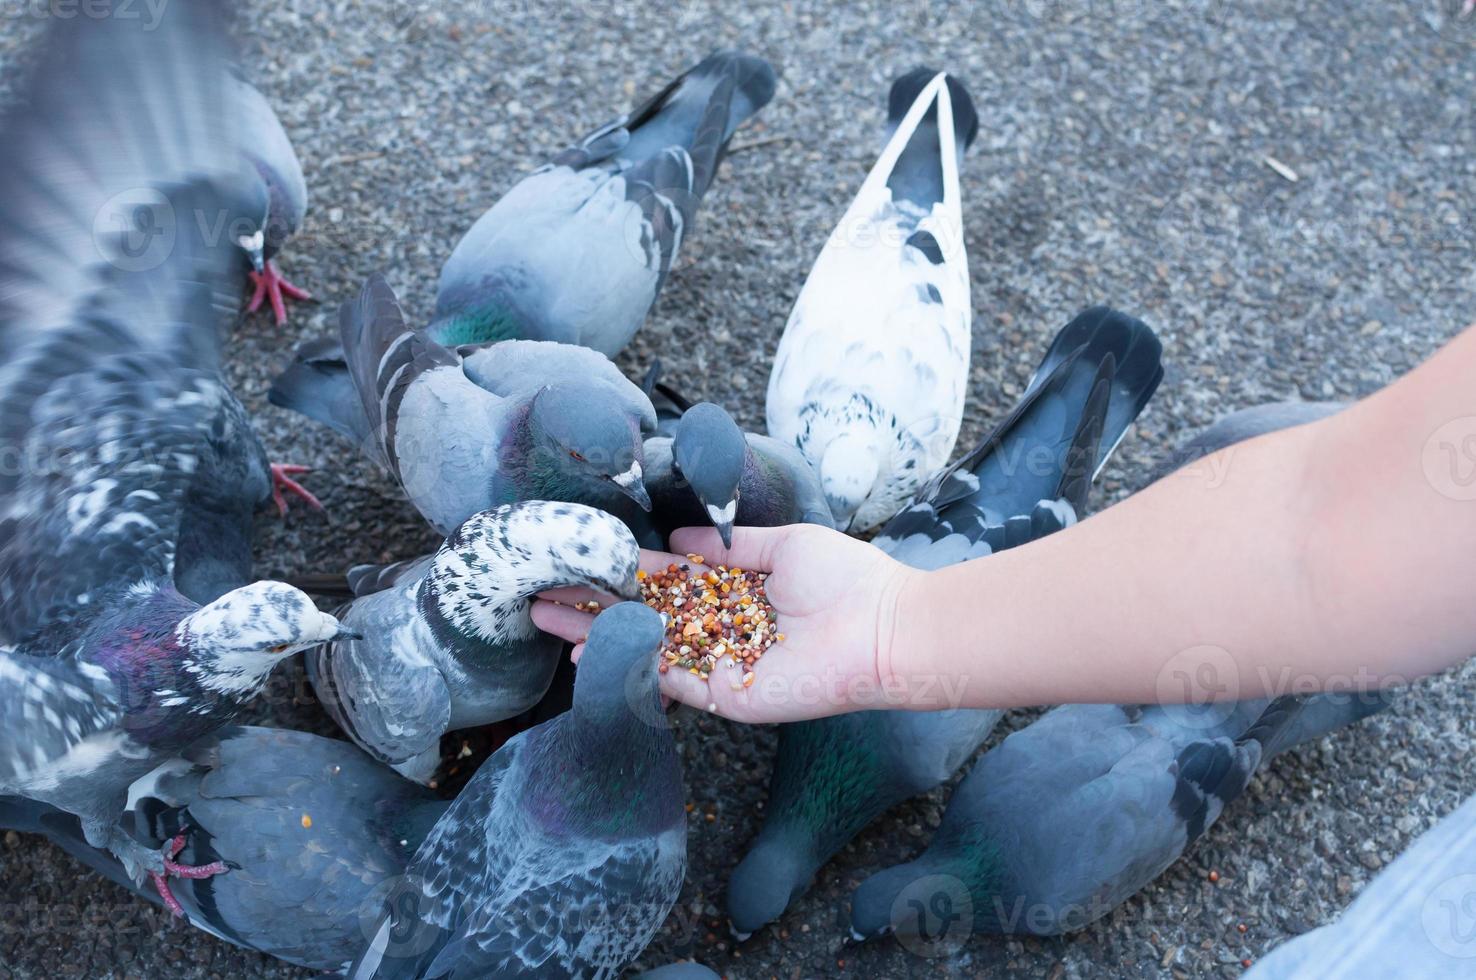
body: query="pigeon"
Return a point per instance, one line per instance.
(275, 183)
(566, 851)
(1029, 478)
(1072, 815)
(1247, 423)
(869, 378)
(468, 429)
(129, 626)
(578, 250)
(303, 822)
(709, 471)
(448, 640)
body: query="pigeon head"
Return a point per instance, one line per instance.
(248, 213)
(769, 877)
(589, 437)
(710, 450)
(617, 674)
(236, 640)
(872, 903)
(505, 556)
(848, 473)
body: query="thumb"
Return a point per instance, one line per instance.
(753, 547)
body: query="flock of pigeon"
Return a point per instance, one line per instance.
(145, 181)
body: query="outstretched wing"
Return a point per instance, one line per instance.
(114, 273)
(52, 711)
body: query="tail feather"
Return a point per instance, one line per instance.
(919, 173)
(317, 384)
(700, 110)
(1325, 713)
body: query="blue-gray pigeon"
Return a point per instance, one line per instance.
(448, 641)
(276, 184)
(128, 626)
(566, 851)
(304, 823)
(578, 250)
(709, 471)
(870, 375)
(467, 429)
(1072, 815)
(1029, 478)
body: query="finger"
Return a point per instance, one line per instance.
(659, 561)
(562, 621)
(570, 594)
(753, 547)
(576, 653)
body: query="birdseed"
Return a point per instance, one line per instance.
(711, 615)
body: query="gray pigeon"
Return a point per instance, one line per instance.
(128, 628)
(304, 823)
(470, 428)
(566, 851)
(448, 641)
(679, 971)
(277, 186)
(1072, 815)
(578, 250)
(709, 471)
(1029, 478)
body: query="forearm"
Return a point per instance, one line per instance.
(1320, 557)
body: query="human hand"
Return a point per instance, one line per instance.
(835, 601)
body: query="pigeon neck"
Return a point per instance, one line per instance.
(479, 323)
(528, 471)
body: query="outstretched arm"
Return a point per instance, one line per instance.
(1336, 555)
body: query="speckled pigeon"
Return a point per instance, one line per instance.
(578, 250)
(127, 624)
(277, 186)
(1030, 477)
(709, 471)
(469, 428)
(448, 640)
(1072, 815)
(314, 832)
(870, 374)
(566, 851)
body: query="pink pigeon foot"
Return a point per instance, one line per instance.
(175, 870)
(282, 474)
(272, 286)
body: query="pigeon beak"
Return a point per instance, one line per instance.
(258, 262)
(630, 484)
(722, 519)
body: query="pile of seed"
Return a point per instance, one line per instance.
(710, 614)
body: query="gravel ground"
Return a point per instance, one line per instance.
(1123, 156)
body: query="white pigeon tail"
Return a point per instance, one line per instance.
(870, 374)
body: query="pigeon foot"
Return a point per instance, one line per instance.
(172, 869)
(272, 286)
(282, 483)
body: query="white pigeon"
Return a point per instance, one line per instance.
(870, 374)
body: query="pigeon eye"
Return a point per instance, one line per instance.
(576, 455)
